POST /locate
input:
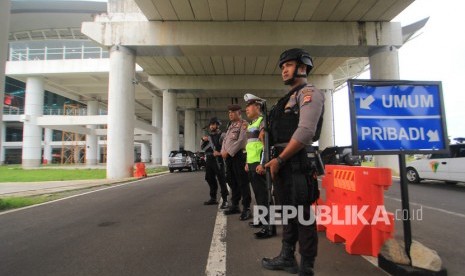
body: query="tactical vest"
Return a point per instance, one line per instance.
(283, 125)
(254, 146)
(216, 140)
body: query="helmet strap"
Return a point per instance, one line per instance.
(296, 74)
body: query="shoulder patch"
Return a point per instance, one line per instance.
(306, 95)
(307, 99)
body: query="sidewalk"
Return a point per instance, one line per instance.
(15, 189)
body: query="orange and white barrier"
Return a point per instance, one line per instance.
(353, 210)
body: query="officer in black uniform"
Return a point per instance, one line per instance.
(214, 168)
(295, 122)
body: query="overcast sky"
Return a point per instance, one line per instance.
(438, 54)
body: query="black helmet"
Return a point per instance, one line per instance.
(300, 55)
(215, 120)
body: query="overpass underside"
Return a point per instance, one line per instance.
(198, 56)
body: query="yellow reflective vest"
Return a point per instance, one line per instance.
(254, 146)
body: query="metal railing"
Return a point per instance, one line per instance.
(10, 110)
(83, 52)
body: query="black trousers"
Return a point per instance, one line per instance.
(295, 187)
(258, 185)
(238, 180)
(214, 172)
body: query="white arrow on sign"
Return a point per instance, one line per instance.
(365, 103)
(433, 136)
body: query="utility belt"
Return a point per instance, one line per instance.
(307, 159)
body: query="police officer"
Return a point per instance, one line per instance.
(233, 151)
(295, 122)
(255, 161)
(214, 168)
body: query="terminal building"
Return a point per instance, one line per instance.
(94, 82)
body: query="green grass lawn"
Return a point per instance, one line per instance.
(150, 171)
(17, 174)
(18, 202)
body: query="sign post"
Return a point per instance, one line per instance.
(405, 204)
(398, 118)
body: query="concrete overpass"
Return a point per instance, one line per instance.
(197, 56)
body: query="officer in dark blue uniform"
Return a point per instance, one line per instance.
(295, 123)
(214, 168)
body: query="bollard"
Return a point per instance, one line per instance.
(139, 170)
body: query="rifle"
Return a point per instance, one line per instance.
(214, 149)
(266, 156)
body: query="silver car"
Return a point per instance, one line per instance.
(182, 159)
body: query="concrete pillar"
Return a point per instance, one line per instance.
(99, 151)
(120, 151)
(48, 139)
(189, 130)
(170, 125)
(92, 140)
(177, 142)
(327, 132)
(384, 65)
(5, 7)
(145, 152)
(198, 133)
(157, 114)
(32, 134)
(2, 143)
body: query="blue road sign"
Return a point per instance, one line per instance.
(390, 117)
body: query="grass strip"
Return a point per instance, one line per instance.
(18, 202)
(17, 174)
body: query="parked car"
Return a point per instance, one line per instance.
(182, 159)
(340, 156)
(201, 159)
(448, 167)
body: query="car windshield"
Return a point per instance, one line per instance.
(178, 154)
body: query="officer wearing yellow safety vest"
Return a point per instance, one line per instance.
(255, 161)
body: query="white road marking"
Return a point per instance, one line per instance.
(86, 193)
(429, 207)
(216, 263)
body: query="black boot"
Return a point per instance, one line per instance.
(224, 204)
(284, 261)
(233, 209)
(246, 214)
(266, 232)
(306, 266)
(212, 201)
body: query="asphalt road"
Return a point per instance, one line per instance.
(159, 226)
(439, 219)
(152, 227)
